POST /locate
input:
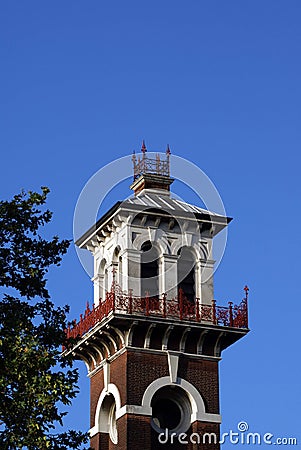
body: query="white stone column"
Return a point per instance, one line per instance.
(131, 271)
(105, 284)
(109, 277)
(207, 292)
(198, 280)
(98, 282)
(168, 278)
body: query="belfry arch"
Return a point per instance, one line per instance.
(186, 272)
(149, 272)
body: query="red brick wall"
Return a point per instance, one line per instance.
(96, 386)
(118, 372)
(118, 377)
(204, 427)
(142, 369)
(203, 374)
(132, 372)
(135, 433)
(100, 442)
(138, 432)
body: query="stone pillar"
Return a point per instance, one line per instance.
(207, 293)
(98, 282)
(198, 280)
(168, 277)
(131, 271)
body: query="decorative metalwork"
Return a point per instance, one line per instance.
(222, 315)
(206, 313)
(157, 166)
(115, 287)
(178, 308)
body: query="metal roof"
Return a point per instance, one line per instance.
(154, 198)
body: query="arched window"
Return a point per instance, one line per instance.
(107, 418)
(117, 267)
(103, 280)
(186, 273)
(149, 270)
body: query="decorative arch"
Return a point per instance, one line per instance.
(198, 409)
(104, 407)
(149, 269)
(117, 264)
(180, 242)
(100, 281)
(84, 358)
(196, 400)
(116, 255)
(101, 266)
(157, 237)
(204, 250)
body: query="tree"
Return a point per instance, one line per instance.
(34, 379)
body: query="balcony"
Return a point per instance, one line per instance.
(235, 316)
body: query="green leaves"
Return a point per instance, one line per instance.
(34, 380)
(24, 255)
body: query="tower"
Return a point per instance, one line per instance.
(152, 340)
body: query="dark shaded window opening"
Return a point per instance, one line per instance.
(166, 414)
(149, 270)
(171, 410)
(186, 273)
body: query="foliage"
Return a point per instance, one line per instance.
(35, 381)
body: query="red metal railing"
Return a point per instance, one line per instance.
(235, 316)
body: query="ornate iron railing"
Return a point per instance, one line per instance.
(235, 316)
(155, 165)
(149, 165)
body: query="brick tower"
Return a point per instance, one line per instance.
(153, 338)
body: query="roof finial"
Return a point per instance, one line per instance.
(168, 152)
(143, 148)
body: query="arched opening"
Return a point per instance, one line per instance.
(149, 270)
(106, 284)
(166, 413)
(186, 273)
(102, 280)
(171, 410)
(107, 418)
(117, 270)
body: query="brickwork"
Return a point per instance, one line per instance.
(118, 370)
(142, 369)
(139, 432)
(96, 387)
(135, 433)
(201, 428)
(118, 377)
(203, 374)
(132, 372)
(100, 442)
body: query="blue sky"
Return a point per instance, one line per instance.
(82, 83)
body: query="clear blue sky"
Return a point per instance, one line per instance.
(82, 83)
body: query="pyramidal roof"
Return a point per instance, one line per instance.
(151, 186)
